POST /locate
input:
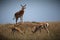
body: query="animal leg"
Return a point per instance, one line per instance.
(21, 32)
(16, 20)
(47, 30)
(35, 29)
(21, 18)
(40, 30)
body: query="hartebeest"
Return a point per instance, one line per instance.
(41, 26)
(17, 29)
(20, 13)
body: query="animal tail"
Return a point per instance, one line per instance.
(13, 18)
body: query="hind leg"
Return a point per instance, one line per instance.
(16, 20)
(39, 28)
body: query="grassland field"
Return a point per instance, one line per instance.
(26, 27)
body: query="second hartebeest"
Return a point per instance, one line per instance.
(41, 26)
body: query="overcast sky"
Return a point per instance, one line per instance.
(36, 10)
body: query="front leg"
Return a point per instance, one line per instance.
(21, 18)
(47, 30)
(34, 29)
(40, 30)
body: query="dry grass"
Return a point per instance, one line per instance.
(7, 34)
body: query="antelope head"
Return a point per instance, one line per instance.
(23, 6)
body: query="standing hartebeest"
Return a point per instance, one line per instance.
(20, 13)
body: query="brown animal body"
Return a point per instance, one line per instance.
(20, 14)
(17, 29)
(41, 26)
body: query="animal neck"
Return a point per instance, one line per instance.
(22, 10)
